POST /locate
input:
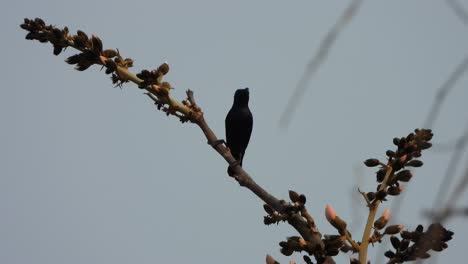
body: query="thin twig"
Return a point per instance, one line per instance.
(443, 91)
(459, 11)
(316, 61)
(450, 172)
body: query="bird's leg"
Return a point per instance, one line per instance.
(234, 164)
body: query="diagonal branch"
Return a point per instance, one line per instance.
(92, 53)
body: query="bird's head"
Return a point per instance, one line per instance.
(241, 97)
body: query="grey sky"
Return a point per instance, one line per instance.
(95, 174)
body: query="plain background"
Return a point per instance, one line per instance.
(95, 174)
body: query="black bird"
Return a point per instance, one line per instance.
(239, 122)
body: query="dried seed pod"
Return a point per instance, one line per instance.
(389, 254)
(404, 176)
(370, 196)
(372, 162)
(301, 199)
(293, 196)
(395, 190)
(393, 229)
(404, 244)
(395, 242)
(163, 68)
(109, 53)
(415, 163)
(380, 175)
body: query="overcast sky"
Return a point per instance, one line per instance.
(95, 174)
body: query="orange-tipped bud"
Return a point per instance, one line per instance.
(330, 213)
(383, 220)
(333, 219)
(393, 229)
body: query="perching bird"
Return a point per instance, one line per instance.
(239, 122)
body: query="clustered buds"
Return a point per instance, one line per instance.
(297, 206)
(154, 76)
(92, 53)
(415, 245)
(91, 49)
(295, 243)
(408, 149)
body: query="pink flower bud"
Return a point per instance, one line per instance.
(330, 213)
(386, 214)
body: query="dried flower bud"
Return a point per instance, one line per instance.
(370, 196)
(307, 259)
(404, 244)
(371, 162)
(393, 229)
(380, 175)
(406, 234)
(301, 199)
(404, 176)
(389, 254)
(163, 68)
(395, 242)
(395, 190)
(383, 220)
(293, 196)
(380, 195)
(286, 251)
(415, 163)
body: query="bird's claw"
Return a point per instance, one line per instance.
(215, 143)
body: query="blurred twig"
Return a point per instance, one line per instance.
(443, 91)
(451, 171)
(439, 99)
(459, 11)
(317, 60)
(450, 210)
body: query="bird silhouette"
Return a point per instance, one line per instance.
(239, 123)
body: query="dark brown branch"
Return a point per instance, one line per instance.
(92, 53)
(246, 181)
(318, 59)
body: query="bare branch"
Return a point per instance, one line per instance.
(450, 172)
(459, 11)
(318, 59)
(443, 91)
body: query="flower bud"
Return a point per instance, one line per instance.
(383, 220)
(415, 163)
(404, 176)
(395, 190)
(371, 162)
(393, 229)
(293, 196)
(395, 242)
(333, 219)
